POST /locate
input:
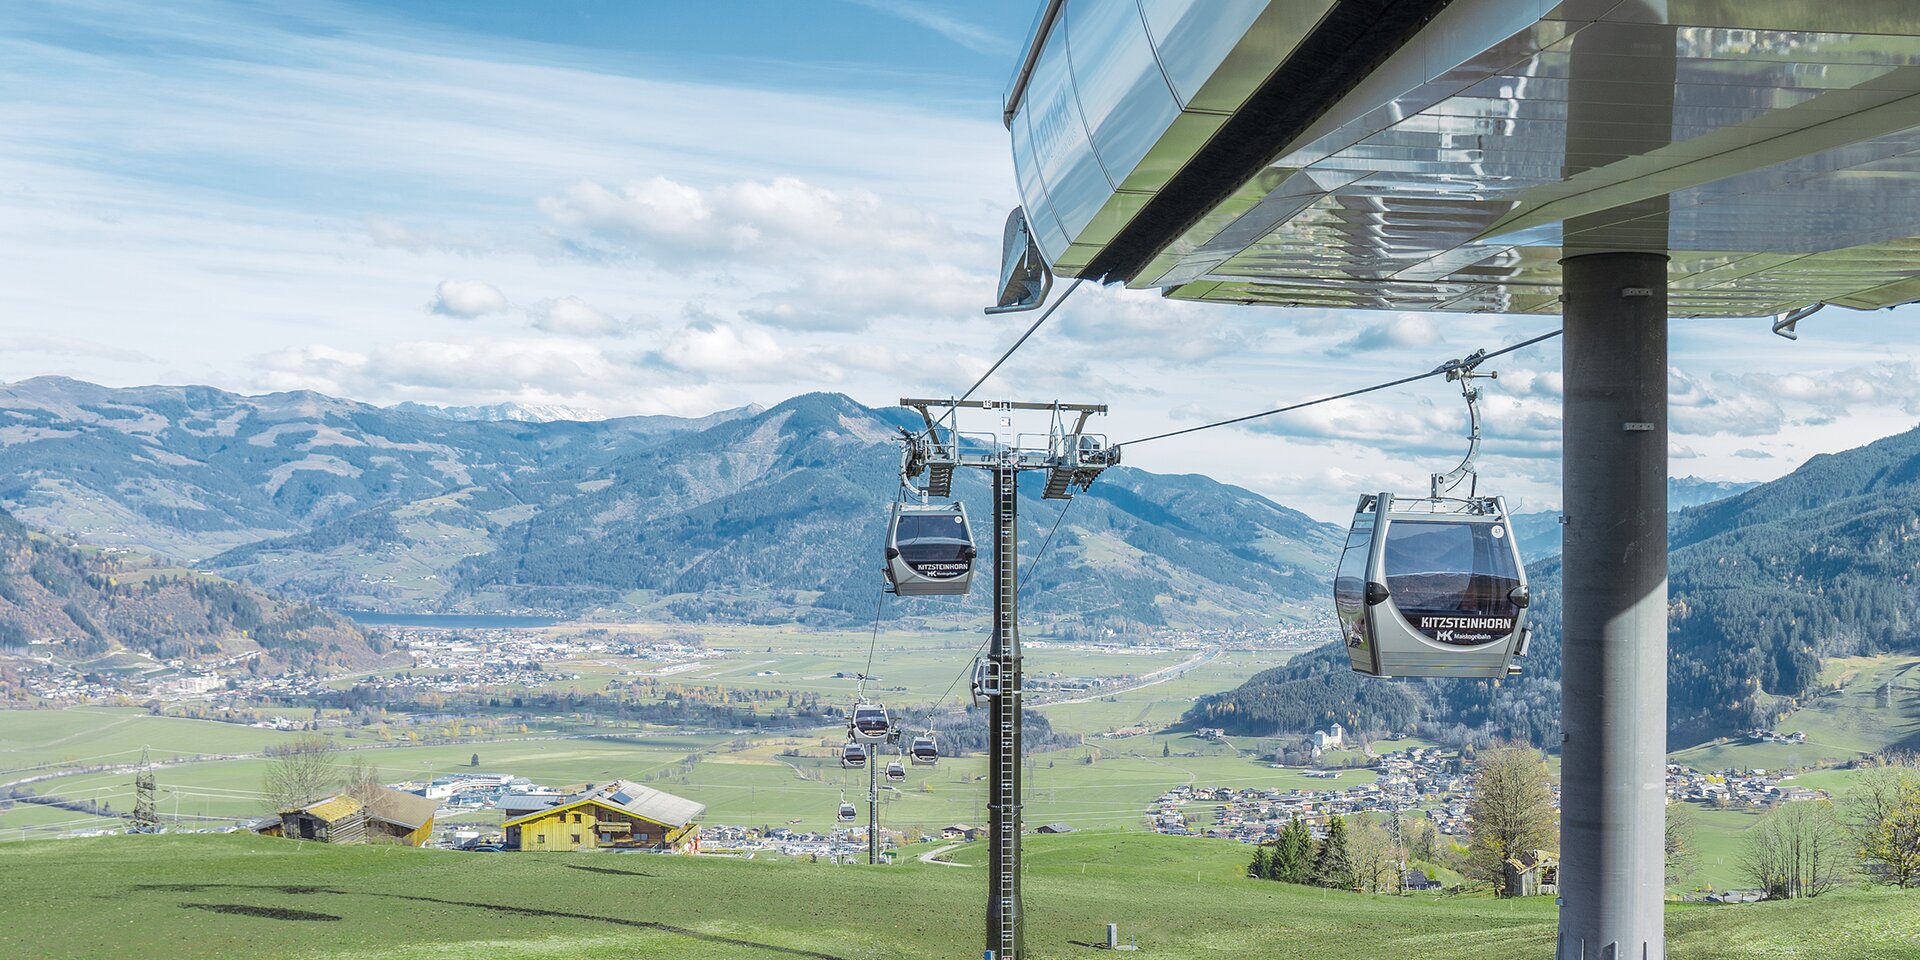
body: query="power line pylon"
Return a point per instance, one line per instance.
(1072, 459)
(146, 810)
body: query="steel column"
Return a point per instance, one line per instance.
(873, 805)
(1614, 621)
(1006, 914)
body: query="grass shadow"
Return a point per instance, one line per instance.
(497, 908)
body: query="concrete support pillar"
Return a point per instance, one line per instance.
(1614, 628)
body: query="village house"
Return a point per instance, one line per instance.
(619, 815)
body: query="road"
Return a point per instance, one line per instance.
(1159, 676)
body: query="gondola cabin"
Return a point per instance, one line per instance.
(896, 772)
(1432, 588)
(870, 723)
(929, 550)
(853, 755)
(925, 752)
(847, 813)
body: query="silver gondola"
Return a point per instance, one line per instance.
(853, 755)
(896, 772)
(870, 723)
(1432, 588)
(925, 752)
(929, 550)
(847, 812)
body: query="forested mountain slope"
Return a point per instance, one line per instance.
(80, 604)
(1763, 586)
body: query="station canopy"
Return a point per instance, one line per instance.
(1445, 156)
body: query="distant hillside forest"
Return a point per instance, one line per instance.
(1764, 586)
(92, 604)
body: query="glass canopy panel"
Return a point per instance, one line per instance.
(1075, 183)
(1125, 99)
(1777, 143)
(1047, 232)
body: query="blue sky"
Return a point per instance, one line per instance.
(674, 208)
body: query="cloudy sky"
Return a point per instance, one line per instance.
(680, 207)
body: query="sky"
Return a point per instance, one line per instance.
(675, 208)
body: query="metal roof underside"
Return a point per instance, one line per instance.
(1770, 147)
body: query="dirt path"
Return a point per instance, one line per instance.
(931, 856)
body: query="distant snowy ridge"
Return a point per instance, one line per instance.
(504, 412)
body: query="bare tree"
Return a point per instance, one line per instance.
(1511, 811)
(1797, 850)
(1682, 857)
(1376, 856)
(301, 772)
(363, 782)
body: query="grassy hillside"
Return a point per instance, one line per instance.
(239, 896)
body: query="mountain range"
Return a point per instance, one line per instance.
(770, 515)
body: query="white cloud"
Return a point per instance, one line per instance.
(1707, 405)
(739, 351)
(575, 317)
(748, 221)
(920, 13)
(466, 299)
(1401, 331)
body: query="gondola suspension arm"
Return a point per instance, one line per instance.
(1464, 371)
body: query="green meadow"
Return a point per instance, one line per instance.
(214, 898)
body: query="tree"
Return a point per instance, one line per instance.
(362, 782)
(1681, 855)
(1166, 749)
(1511, 812)
(473, 761)
(1883, 813)
(301, 772)
(1796, 850)
(1292, 859)
(1259, 867)
(1333, 866)
(1422, 840)
(1376, 856)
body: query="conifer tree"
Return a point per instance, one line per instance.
(1292, 859)
(1258, 869)
(1333, 866)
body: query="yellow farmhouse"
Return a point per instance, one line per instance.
(621, 814)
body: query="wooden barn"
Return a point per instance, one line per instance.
(396, 816)
(337, 819)
(619, 815)
(1531, 874)
(393, 816)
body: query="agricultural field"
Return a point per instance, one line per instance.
(214, 898)
(1875, 707)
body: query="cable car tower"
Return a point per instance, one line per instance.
(1072, 459)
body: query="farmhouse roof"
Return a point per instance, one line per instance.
(332, 809)
(636, 799)
(408, 810)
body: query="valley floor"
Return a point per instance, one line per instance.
(217, 897)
